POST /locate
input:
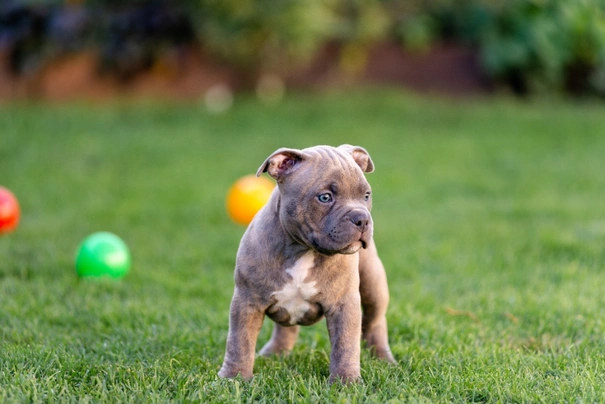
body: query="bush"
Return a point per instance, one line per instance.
(252, 33)
(528, 45)
(127, 38)
(549, 45)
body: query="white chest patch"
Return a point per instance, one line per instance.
(295, 295)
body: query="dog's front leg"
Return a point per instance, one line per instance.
(374, 301)
(245, 322)
(344, 327)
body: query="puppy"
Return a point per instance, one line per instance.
(308, 254)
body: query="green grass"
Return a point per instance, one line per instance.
(489, 215)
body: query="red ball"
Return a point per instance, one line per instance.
(9, 211)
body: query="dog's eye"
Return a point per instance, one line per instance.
(367, 196)
(325, 198)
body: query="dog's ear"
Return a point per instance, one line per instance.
(361, 157)
(282, 162)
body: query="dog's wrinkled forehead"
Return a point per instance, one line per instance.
(326, 159)
(346, 159)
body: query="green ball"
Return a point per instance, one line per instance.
(102, 254)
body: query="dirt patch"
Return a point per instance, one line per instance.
(446, 69)
(187, 73)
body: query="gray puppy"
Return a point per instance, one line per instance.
(309, 253)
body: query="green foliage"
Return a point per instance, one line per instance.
(489, 219)
(361, 22)
(418, 32)
(263, 32)
(548, 45)
(533, 46)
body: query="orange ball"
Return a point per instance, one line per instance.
(9, 211)
(246, 196)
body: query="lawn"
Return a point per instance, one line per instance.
(489, 217)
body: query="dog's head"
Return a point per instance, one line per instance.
(325, 199)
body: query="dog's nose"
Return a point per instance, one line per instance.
(361, 219)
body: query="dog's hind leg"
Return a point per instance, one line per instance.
(282, 340)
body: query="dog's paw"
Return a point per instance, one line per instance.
(230, 373)
(274, 349)
(345, 378)
(384, 355)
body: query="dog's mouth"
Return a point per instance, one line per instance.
(356, 246)
(339, 241)
(352, 248)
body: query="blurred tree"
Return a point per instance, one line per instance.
(257, 33)
(530, 45)
(547, 45)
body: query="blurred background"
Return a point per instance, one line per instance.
(488, 204)
(184, 49)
